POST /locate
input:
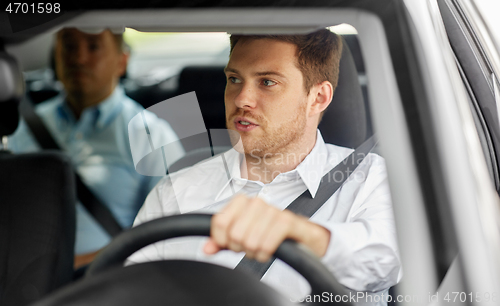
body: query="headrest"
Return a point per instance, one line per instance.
(11, 78)
(205, 80)
(11, 92)
(209, 83)
(345, 120)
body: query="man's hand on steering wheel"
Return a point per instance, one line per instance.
(251, 225)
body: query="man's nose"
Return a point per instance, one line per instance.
(246, 97)
(80, 55)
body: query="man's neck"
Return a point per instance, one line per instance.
(266, 168)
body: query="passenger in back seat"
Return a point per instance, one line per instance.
(89, 120)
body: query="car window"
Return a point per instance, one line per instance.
(476, 68)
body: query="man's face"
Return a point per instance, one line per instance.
(88, 64)
(265, 97)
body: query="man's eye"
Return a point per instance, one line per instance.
(269, 83)
(93, 46)
(234, 80)
(69, 47)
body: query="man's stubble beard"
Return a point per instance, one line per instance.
(284, 139)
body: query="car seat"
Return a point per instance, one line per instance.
(209, 83)
(345, 122)
(37, 217)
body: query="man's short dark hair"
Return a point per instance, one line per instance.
(318, 54)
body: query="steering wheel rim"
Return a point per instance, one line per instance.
(132, 240)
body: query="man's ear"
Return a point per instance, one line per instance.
(122, 63)
(322, 96)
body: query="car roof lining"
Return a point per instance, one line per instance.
(248, 21)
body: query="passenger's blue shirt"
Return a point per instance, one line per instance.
(99, 147)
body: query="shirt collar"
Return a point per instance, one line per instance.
(310, 170)
(233, 161)
(104, 112)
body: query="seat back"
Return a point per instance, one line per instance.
(37, 225)
(209, 83)
(37, 210)
(345, 122)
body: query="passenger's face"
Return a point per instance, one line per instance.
(88, 64)
(265, 88)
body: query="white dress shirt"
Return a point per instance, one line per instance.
(362, 253)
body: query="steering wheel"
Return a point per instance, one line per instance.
(183, 282)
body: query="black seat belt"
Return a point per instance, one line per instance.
(94, 206)
(306, 205)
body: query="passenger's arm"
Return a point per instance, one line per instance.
(84, 259)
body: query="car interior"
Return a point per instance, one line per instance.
(366, 100)
(346, 125)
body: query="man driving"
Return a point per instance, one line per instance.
(89, 122)
(277, 88)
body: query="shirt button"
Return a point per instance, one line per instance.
(264, 190)
(79, 136)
